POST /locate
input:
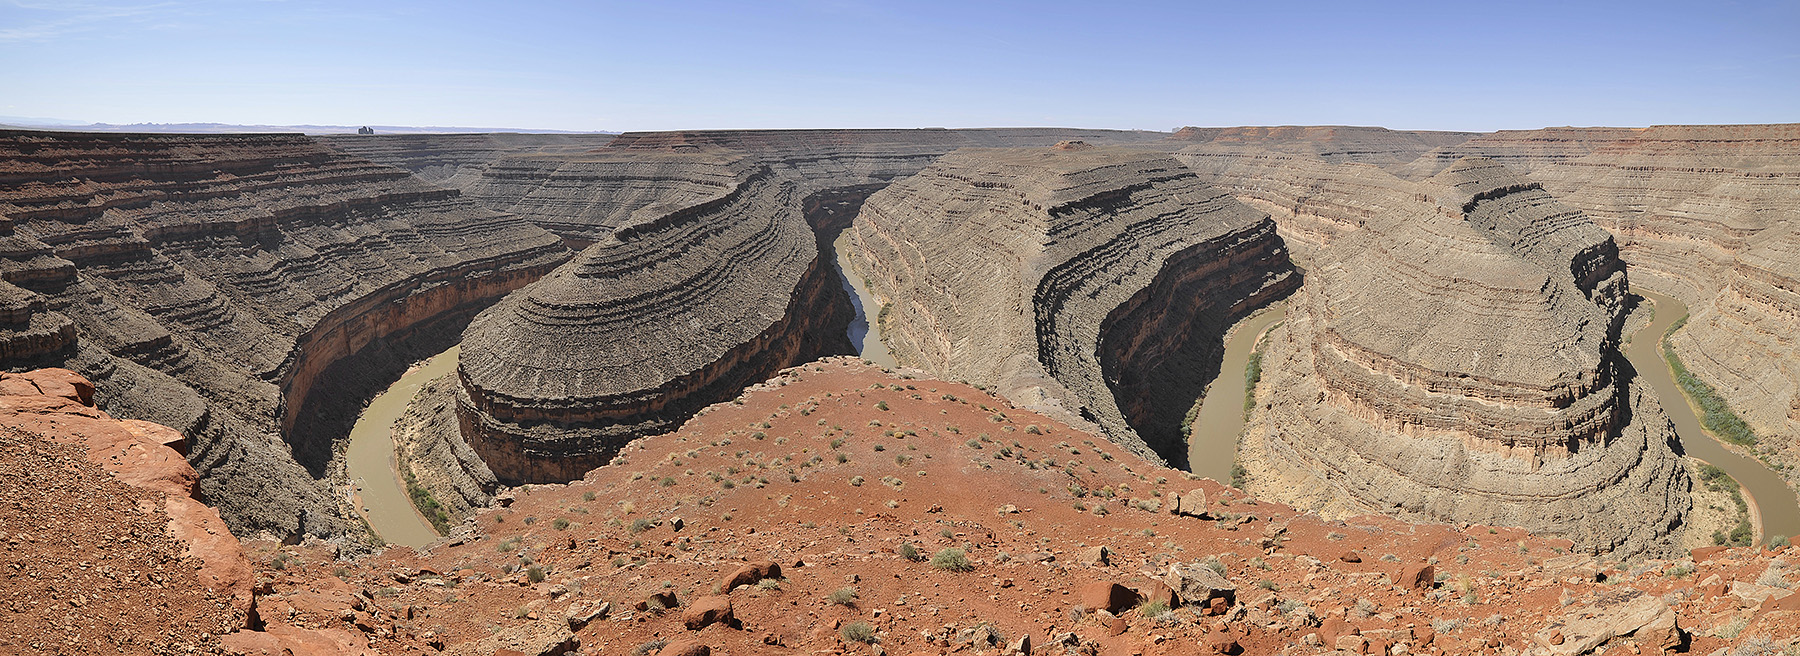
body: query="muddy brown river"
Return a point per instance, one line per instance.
(1770, 496)
(865, 331)
(1212, 442)
(381, 494)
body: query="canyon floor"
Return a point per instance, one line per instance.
(783, 522)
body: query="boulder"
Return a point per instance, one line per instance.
(1110, 597)
(1195, 583)
(1335, 627)
(1351, 557)
(1189, 504)
(582, 613)
(749, 574)
(706, 611)
(1421, 577)
(685, 648)
(1159, 592)
(546, 637)
(1645, 617)
(1096, 555)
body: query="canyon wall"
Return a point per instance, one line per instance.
(456, 160)
(1091, 283)
(212, 282)
(680, 307)
(1708, 214)
(1456, 359)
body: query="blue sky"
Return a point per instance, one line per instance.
(844, 63)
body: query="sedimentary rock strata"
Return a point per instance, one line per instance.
(457, 160)
(1707, 214)
(1097, 281)
(215, 282)
(1332, 143)
(1456, 359)
(680, 307)
(583, 198)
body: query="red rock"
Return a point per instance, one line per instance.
(1423, 635)
(1217, 606)
(685, 648)
(64, 383)
(1335, 627)
(1223, 644)
(706, 611)
(1419, 577)
(749, 574)
(1703, 553)
(1115, 624)
(1110, 597)
(1350, 557)
(1159, 592)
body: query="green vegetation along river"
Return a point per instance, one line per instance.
(381, 494)
(1769, 494)
(1212, 440)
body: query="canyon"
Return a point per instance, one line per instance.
(1458, 307)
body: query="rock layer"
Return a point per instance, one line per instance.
(1456, 359)
(215, 281)
(1094, 280)
(1709, 214)
(681, 307)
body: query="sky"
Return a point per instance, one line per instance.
(595, 65)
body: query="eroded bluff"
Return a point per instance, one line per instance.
(681, 306)
(214, 283)
(1456, 359)
(1706, 213)
(1092, 283)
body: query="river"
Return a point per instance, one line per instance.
(864, 333)
(1770, 496)
(381, 494)
(1212, 441)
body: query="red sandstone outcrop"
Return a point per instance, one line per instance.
(98, 547)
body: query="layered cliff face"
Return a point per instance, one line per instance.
(214, 282)
(1332, 143)
(1093, 283)
(680, 307)
(457, 160)
(1456, 359)
(584, 197)
(1708, 214)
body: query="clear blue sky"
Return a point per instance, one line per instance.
(846, 63)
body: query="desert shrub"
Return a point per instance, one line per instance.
(910, 552)
(534, 574)
(858, 632)
(844, 596)
(560, 524)
(951, 559)
(640, 525)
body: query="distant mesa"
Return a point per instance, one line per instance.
(365, 130)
